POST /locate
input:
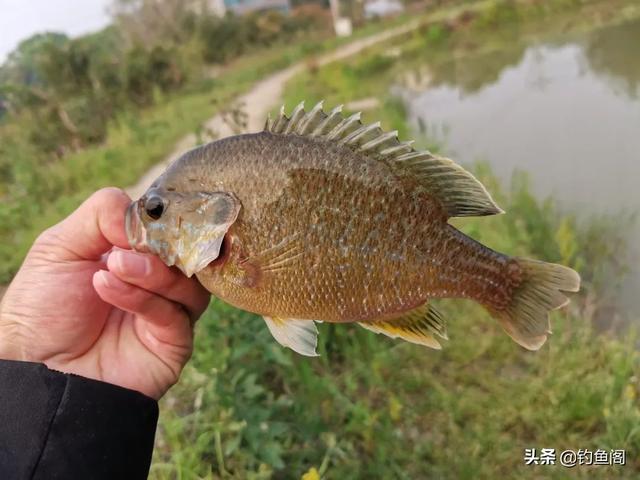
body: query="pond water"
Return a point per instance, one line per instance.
(567, 111)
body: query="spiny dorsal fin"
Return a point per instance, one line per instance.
(461, 194)
(416, 326)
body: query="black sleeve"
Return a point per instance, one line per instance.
(60, 426)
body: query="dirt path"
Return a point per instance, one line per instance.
(263, 96)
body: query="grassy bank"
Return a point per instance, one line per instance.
(371, 407)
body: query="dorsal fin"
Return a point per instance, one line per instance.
(461, 194)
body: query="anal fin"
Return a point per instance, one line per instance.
(301, 336)
(419, 326)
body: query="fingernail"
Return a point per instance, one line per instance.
(104, 277)
(132, 264)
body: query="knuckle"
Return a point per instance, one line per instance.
(107, 198)
(108, 192)
(47, 246)
(48, 236)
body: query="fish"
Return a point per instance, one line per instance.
(321, 218)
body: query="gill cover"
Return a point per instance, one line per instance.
(191, 231)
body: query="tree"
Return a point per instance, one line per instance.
(152, 22)
(22, 64)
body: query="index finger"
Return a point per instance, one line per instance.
(150, 273)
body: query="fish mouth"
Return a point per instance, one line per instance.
(136, 233)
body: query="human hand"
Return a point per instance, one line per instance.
(83, 303)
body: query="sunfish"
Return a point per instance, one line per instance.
(322, 218)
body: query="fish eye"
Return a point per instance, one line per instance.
(154, 206)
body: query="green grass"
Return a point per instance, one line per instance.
(374, 408)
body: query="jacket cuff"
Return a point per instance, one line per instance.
(58, 425)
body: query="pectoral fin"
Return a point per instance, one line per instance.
(204, 220)
(416, 326)
(280, 257)
(301, 336)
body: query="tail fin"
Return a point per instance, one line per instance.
(526, 319)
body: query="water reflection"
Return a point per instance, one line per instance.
(568, 112)
(614, 53)
(474, 72)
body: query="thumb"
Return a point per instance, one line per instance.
(92, 229)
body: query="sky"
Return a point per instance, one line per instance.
(19, 19)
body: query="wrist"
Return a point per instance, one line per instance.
(15, 343)
(10, 348)
(13, 351)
